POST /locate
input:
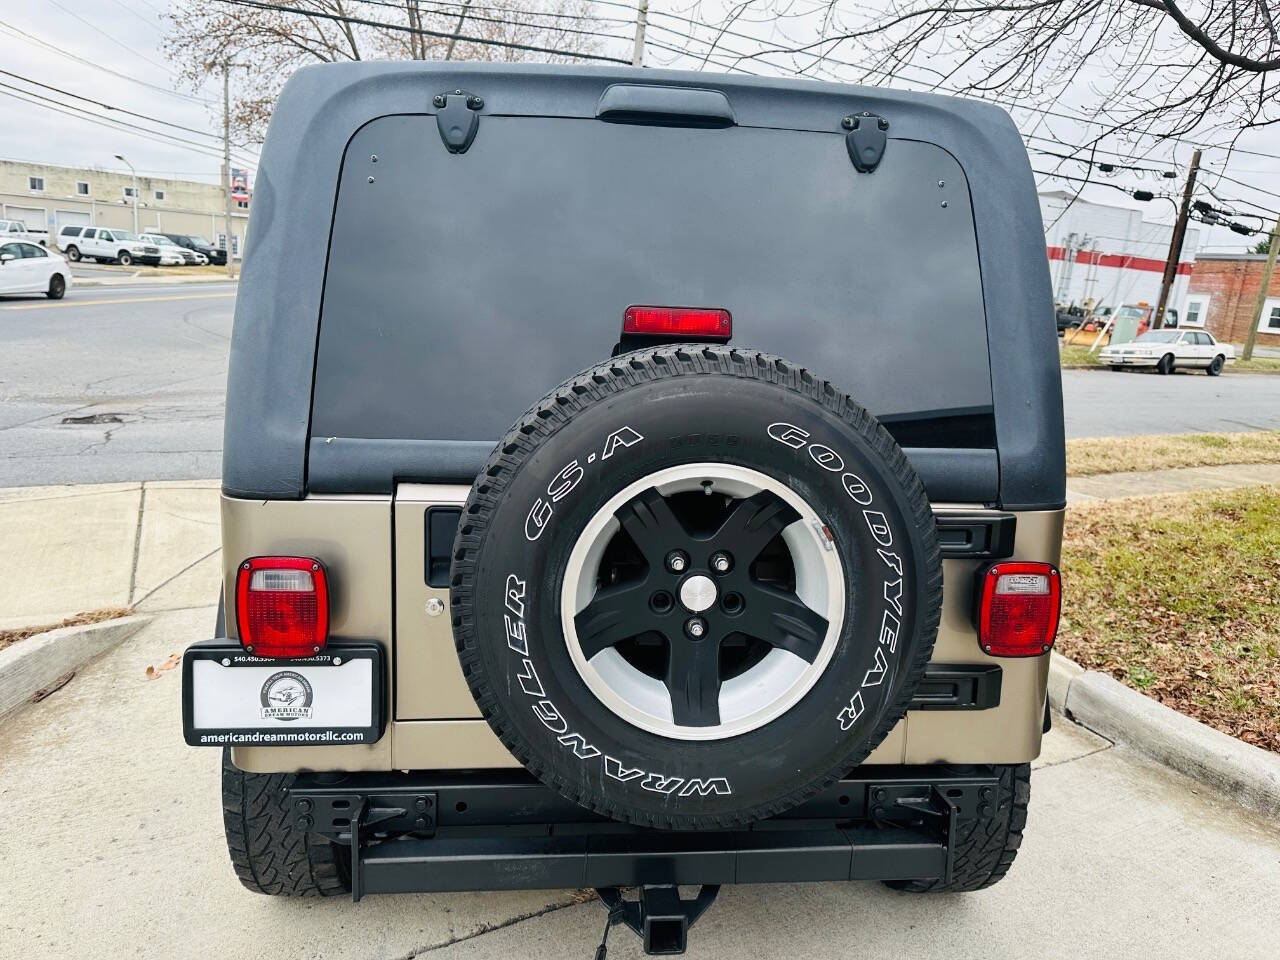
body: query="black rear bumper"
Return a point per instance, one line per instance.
(420, 832)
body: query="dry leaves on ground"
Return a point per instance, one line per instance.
(1094, 455)
(8, 637)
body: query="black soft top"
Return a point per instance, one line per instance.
(294, 401)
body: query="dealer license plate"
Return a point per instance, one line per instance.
(232, 698)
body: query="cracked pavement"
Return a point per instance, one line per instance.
(153, 357)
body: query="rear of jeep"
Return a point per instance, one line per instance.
(633, 479)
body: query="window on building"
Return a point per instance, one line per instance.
(128, 192)
(242, 204)
(159, 194)
(1197, 309)
(82, 187)
(1270, 322)
(35, 184)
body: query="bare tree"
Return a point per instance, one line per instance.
(1150, 67)
(272, 38)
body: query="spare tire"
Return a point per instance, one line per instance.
(695, 585)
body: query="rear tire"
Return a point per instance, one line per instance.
(57, 287)
(1165, 366)
(1215, 367)
(985, 846)
(270, 854)
(73, 254)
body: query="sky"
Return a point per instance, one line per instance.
(111, 50)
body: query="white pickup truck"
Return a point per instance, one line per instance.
(18, 230)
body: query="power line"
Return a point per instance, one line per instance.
(23, 35)
(361, 21)
(107, 106)
(118, 43)
(79, 113)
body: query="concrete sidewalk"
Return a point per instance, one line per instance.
(1122, 858)
(152, 546)
(1114, 486)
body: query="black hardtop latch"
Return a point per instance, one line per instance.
(868, 135)
(457, 118)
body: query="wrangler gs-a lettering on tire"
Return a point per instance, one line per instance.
(695, 585)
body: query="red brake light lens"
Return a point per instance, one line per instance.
(1018, 608)
(282, 606)
(699, 322)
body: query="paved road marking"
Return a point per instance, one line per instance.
(94, 303)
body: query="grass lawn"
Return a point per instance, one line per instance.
(208, 270)
(1179, 597)
(1093, 455)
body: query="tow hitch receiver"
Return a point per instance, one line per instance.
(660, 918)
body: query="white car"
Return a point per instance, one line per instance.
(1168, 349)
(171, 255)
(30, 268)
(18, 230)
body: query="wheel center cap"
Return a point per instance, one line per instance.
(698, 593)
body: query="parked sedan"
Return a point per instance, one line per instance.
(1166, 350)
(31, 268)
(170, 253)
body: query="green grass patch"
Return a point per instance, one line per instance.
(1179, 597)
(1074, 355)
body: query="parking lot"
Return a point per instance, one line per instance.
(149, 363)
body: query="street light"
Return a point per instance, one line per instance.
(135, 190)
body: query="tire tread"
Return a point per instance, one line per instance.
(269, 853)
(597, 385)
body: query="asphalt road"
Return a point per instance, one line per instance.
(149, 362)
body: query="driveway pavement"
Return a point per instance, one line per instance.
(114, 849)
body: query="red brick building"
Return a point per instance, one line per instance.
(1223, 293)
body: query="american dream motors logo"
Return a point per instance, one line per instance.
(286, 696)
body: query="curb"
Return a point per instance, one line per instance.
(1249, 774)
(39, 662)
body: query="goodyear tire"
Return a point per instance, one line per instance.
(695, 585)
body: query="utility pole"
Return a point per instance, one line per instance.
(134, 173)
(1175, 243)
(642, 21)
(1262, 292)
(226, 154)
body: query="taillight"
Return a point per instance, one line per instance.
(697, 322)
(282, 606)
(1018, 607)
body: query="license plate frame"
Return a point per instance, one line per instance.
(282, 703)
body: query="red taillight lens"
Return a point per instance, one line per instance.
(282, 606)
(679, 322)
(1018, 607)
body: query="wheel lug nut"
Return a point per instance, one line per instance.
(695, 627)
(677, 561)
(721, 562)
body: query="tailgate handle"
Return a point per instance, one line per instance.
(665, 106)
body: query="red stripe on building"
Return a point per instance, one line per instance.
(1123, 261)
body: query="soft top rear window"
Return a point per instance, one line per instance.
(462, 287)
